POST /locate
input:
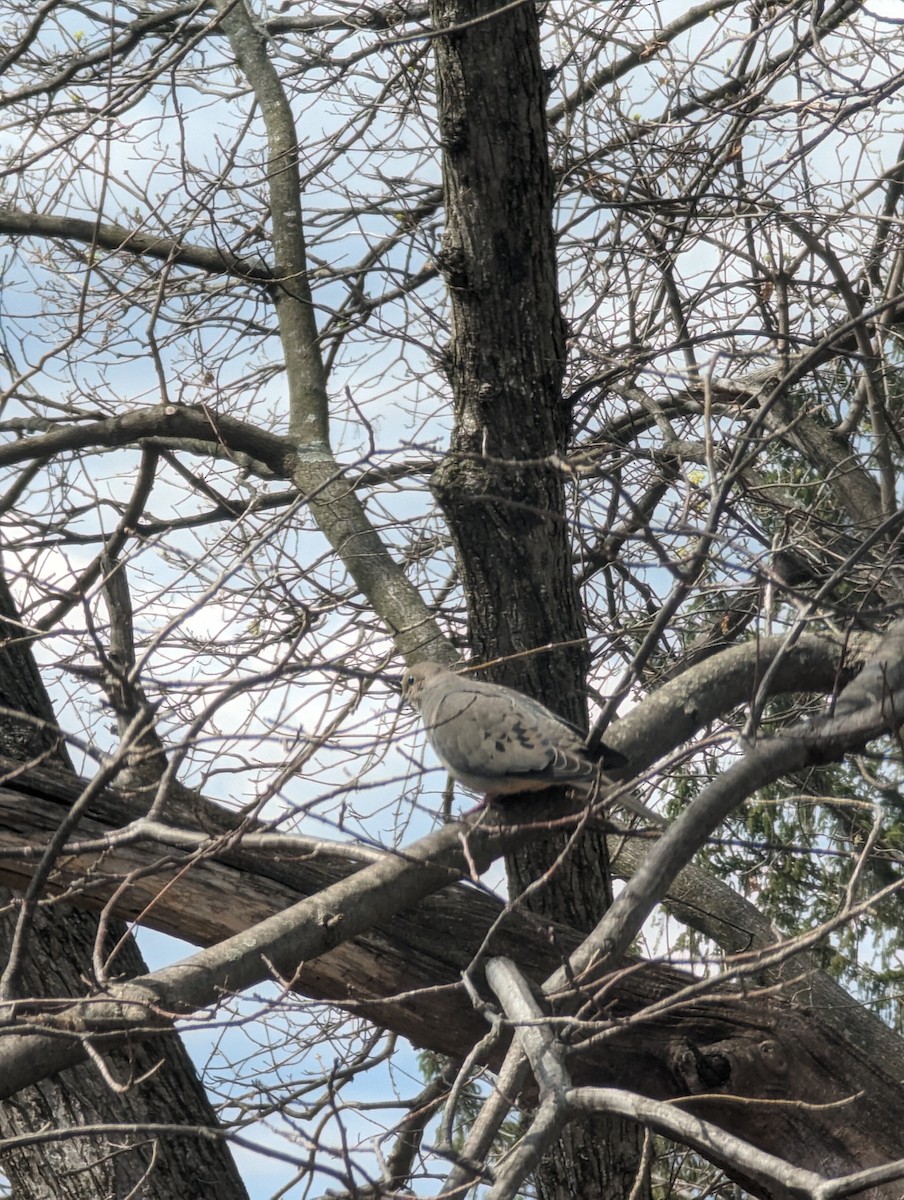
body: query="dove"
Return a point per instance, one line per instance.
(496, 741)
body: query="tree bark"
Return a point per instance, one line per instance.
(405, 974)
(56, 962)
(500, 487)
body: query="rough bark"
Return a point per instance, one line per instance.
(500, 488)
(405, 974)
(502, 496)
(501, 492)
(56, 963)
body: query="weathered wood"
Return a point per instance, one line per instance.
(57, 957)
(406, 974)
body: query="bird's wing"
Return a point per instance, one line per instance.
(488, 733)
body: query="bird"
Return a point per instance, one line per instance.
(496, 741)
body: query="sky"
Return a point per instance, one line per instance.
(183, 597)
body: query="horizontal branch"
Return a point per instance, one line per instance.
(279, 944)
(163, 420)
(136, 242)
(402, 966)
(405, 971)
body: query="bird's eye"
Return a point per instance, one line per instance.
(409, 682)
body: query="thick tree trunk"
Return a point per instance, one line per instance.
(56, 962)
(500, 488)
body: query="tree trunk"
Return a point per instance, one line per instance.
(500, 488)
(56, 962)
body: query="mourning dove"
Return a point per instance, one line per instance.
(496, 741)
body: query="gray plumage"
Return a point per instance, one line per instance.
(497, 741)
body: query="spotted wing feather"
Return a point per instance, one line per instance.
(495, 740)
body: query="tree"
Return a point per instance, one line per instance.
(565, 343)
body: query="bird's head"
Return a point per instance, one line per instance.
(415, 678)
